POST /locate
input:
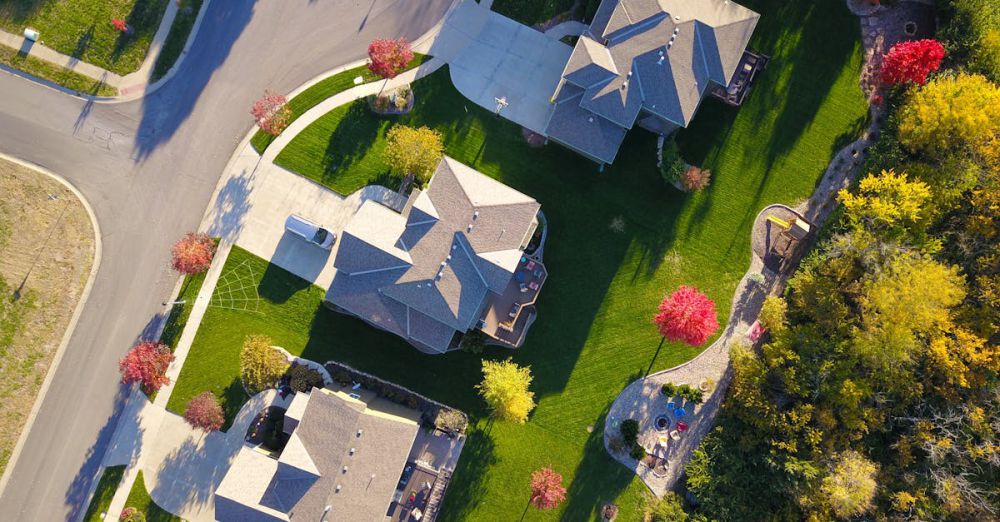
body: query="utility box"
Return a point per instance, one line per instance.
(30, 34)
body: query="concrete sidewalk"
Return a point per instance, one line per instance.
(130, 86)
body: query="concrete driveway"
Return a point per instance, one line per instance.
(251, 206)
(491, 56)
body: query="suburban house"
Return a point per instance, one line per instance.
(650, 63)
(345, 459)
(461, 255)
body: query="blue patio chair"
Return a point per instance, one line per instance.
(679, 412)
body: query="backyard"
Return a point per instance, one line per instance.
(83, 29)
(594, 332)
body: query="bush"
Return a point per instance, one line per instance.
(666, 509)
(302, 378)
(450, 421)
(669, 389)
(131, 514)
(672, 165)
(342, 378)
(695, 179)
(772, 314)
(638, 452)
(193, 253)
(204, 412)
(260, 364)
(629, 430)
(474, 342)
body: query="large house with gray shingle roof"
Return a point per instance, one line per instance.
(645, 62)
(451, 261)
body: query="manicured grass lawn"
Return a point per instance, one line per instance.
(324, 89)
(178, 36)
(139, 499)
(54, 73)
(105, 492)
(83, 29)
(594, 333)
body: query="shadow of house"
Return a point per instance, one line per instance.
(142, 20)
(468, 485)
(278, 284)
(352, 138)
(77, 496)
(164, 111)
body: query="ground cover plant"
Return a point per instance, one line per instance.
(324, 89)
(83, 28)
(594, 332)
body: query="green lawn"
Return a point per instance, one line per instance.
(106, 488)
(594, 333)
(178, 36)
(324, 89)
(54, 73)
(530, 12)
(83, 29)
(139, 499)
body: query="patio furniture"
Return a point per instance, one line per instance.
(519, 277)
(671, 405)
(513, 310)
(682, 427)
(533, 285)
(676, 435)
(679, 412)
(531, 265)
(538, 273)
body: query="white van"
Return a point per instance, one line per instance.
(310, 231)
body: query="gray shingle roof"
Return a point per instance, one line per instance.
(461, 239)
(328, 431)
(582, 130)
(664, 54)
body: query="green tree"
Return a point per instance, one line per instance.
(666, 509)
(260, 364)
(849, 488)
(772, 314)
(505, 390)
(413, 151)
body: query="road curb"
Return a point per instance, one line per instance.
(70, 328)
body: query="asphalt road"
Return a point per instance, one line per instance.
(148, 169)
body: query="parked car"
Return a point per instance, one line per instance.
(310, 231)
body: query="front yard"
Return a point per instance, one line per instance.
(594, 332)
(83, 29)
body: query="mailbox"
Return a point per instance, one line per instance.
(30, 34)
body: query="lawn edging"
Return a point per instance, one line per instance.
(74, 319)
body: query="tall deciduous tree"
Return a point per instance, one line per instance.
(687, 315)
(260, 364)
(272, 113)
(204, 412)
(951, 113)
(413, 151)
(888, 201)
(146, 363)
(547, 490)
(505, 390)
(193, 253)
(912, 61)
(387, 58)
(850, 486)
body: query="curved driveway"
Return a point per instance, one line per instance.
(148, 169)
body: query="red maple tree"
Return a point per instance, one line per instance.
(193, 253)
(272, 113)
(387, 58)
(911, 62)
(687, 315)
(146, 363)
(546, 488)
(204, 412)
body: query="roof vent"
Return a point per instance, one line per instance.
(590, 119)
(337, 489)
(677, 30)
(345, 469)
(352, 451)
(360, 431)
(677, 18)
(475, 214)
(470, 228)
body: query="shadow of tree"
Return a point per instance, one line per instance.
(351, 139)
(231, 206)
(468, 485)
(77, 496)
(598, 479)
(83, 42)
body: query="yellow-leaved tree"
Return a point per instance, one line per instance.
(413, 151)
(849, 487)
(260, 365)
(951, 113)
(505, 390)
(886, 201)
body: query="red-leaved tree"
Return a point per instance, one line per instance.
(911, 62)
(687, 315)
(204, 412)
(546, 488)
(272, 113)
(193, 253)
(119, 24)
(146, 363)
(387, 58)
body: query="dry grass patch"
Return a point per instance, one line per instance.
(32, 326)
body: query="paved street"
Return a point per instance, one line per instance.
(149, 168)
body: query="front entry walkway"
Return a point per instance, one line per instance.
(491, 56)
